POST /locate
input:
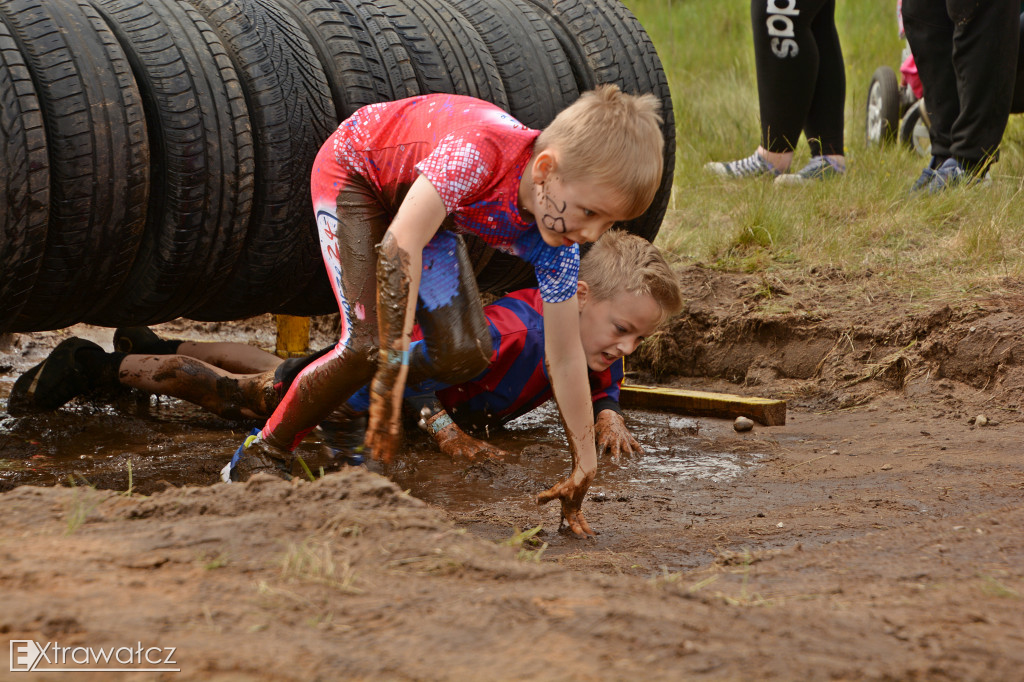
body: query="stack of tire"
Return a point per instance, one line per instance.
(155, 154)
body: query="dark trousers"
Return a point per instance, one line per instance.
(966, 55)
(801, 79)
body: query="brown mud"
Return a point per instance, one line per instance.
(876, 536)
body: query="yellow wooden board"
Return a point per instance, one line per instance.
(704, 404)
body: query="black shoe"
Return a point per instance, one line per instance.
(342, 441)
(56, 380)
(143, 341)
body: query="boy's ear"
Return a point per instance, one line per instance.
(543, 166)
(582, 292)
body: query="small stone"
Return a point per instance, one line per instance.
(833, 452)
(743, 424)
(886, 467)
(980, 420)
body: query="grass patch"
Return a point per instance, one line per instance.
(314, 561)
(83, 502)
(530, 548)
(996, 588)
(951, 246)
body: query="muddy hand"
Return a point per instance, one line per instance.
(613, 437)
(462, 445)
(571, 492)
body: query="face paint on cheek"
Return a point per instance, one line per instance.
(553, 218)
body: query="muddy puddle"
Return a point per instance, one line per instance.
(147, 444)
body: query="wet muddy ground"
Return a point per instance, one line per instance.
(876, 536)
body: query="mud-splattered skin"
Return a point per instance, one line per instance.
(458, 444)
(393, 280)
(573, 488)
(230, 397)
(613, 438)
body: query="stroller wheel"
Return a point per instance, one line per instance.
(914, 129)
(883, 107)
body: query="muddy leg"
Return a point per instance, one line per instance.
(239, 358)
(231, 396)
(457, 342)
(350, 226)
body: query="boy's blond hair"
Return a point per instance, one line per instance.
(613, 139)
(623, 262)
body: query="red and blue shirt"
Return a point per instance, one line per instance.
(516, 381)
(471, 151)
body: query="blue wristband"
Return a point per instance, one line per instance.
(398, 357)
(439, 424)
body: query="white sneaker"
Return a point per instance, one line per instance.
(753, 166)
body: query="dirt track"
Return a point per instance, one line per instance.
(879, 539)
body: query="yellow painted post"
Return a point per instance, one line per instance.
(292, 336)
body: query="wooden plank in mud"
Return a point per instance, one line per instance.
(764, 411)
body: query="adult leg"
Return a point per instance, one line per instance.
(985, 38)
(786, 55)
(825, 116)
(929, 32)
(1018, 88)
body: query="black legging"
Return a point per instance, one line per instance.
(801, 79)
(966, 56)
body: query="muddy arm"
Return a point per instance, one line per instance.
(567, 368)
(399, 266)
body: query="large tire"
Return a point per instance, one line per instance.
(448, 54)
(882, 111)
(381, 46)
(606, 44)
(536, 75)
(24, 181)
(98, 153)
(393, 78)
(292, 114)
(202, 161)
(350, 75)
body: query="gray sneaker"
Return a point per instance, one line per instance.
(923, 180)
(753, 166)
(819, 168)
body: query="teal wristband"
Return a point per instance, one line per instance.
(439, 424)
(398, 357)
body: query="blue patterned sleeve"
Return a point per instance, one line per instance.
(558, 272)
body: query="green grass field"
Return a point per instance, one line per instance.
(958, 243)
